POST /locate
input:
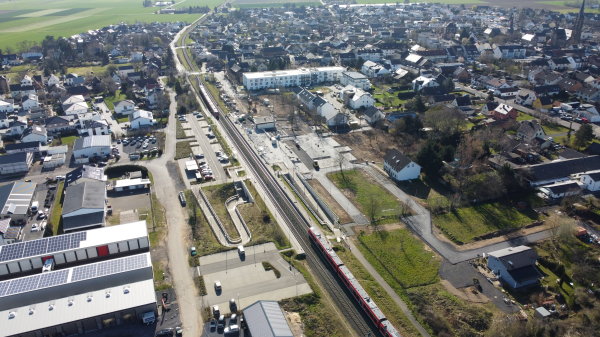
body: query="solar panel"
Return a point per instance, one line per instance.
(12, 251)
(53, 278)
(4, 287)
(84, 272)
(76, 239)
(35, 247)
(22, 285)
(58, 243)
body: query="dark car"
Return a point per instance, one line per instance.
(165, 332)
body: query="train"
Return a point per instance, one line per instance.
(208, 101)
(358, 292)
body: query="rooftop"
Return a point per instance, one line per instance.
(15, 197)
(266, 319)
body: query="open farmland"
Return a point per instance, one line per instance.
(273, 3)
(32, 20)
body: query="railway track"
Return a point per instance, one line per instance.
(291, 214)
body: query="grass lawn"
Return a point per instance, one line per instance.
(110, 100)
(203, 236)
(524, 117)
(217, 195)
(400, 257)
(183, 149)
(367, 194)
(55, 217)
(69, 140)
(377, 293)
(551, 129)
(386, 99)
(88, 70)
(261, 222)
(32, 20)
(180, 131)
(466, 223)
(123, 119)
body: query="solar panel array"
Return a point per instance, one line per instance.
(54, 278)
(109, 267)
(42, 246)
(25, 284)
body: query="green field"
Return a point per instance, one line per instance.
(400, 258)
(32, 20)
(466, 223)
(368, 195)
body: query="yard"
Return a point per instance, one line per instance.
(370, 197)
(110, 100)
(69, 140)
(388, 100)
(400, 258)
(465, 224)
(524, 117)
(553, 129)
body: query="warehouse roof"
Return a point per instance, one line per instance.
(88, 194)
(15, 197)
(91, 141)
(266, 319)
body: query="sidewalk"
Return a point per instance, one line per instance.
(387, 288)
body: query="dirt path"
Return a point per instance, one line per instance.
(335, 206)
(177, 232)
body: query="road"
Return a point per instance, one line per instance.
(178, 231)
(573, 125)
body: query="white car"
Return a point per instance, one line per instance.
(35, 227)
(218, 286)
(48, 265)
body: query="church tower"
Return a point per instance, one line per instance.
(576, 37)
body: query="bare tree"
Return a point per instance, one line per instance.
(373, 210)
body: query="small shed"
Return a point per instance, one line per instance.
(131, 184)
(542, 313)
(191, 166)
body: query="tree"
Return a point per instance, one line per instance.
(373, 210)
(430, 159)
(444, 119)
(584, 135)
(419, 104)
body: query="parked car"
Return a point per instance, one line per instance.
(193, 251)
(165, 332)
(48, 265)
(232, 307)
(216, 311)
(213, 324)
(218, 286)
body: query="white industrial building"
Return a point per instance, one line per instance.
(91, 146)
(102, 277)
(133, 184)
(15, 199)
(291, 78)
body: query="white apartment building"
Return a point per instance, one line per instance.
(291, 78)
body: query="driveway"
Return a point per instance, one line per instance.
(109, 117)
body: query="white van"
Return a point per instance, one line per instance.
(241, 250)
(34, 206)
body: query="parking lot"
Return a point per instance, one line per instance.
(245, 279)
(143, 145)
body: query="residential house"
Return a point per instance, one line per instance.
(372, 69)
(399, 167)
(29, 102)
(125, 107)
(423, 82)
(372, 115)
(561, 189)
(506, 93)
(53, 80)
(122, 71)
(515, 266)
(58, 124)
(525, 97)
(543, 103)
(84, 206)
(559, 170)
(356, 98)
(6, 107)
(561, 63)
(15, 163)
(509, 52)
(55, 156)
(546, 90)
(4, 121)
(75, 105)
(590, 180)
(588, 94)
(355, 79)
(530, 130)
(35, 133)
(31, 147)
(141, 119)
(91, 127)
(74, 80)
(504, 111)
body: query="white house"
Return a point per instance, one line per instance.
(400, 167)
(525, 97)
(373, 115)
(590, 180)
(509, 52)
(90, 127)
(361, 99)
(424, 82)
(35, 133)
(140, 119)
(530, 130)
(26, 81)
(125, 107)
(76, 108)
(6, 107)
(372, 69)
(30, 102)
(91, 146)
(561, 189)
(53, 80)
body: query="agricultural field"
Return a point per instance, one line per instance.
(272, 3)
(32, 20)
